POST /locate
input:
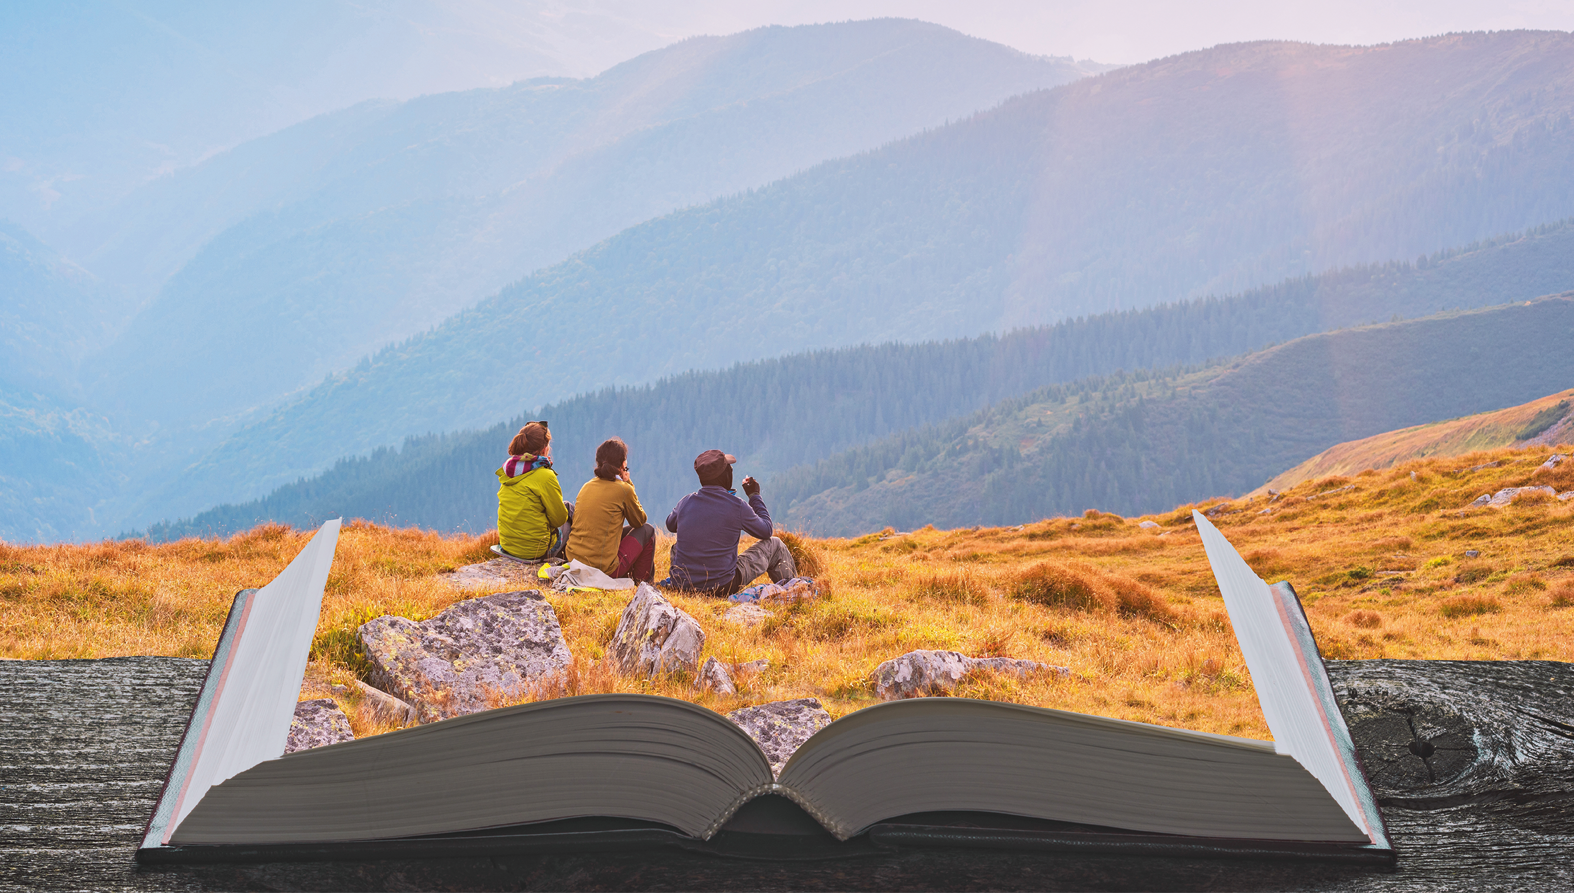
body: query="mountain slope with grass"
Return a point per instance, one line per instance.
(1102, 194)
(1136, 443)
(805, 406)
(1390, 565)
(1548, 421)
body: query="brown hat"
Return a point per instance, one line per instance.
(711, 463)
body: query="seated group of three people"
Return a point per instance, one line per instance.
(605, 526)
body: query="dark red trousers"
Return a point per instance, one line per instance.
(637, 554)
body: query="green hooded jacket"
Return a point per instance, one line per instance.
(529, 511)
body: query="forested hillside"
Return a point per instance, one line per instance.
(1143, 443)
(330, 239)
(1199, 173)
(780, 413)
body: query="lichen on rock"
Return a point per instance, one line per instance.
(781, 727)
(654, 636)
(317, 723)
(470, 657)
(919, 673)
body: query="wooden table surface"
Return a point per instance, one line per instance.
(1473, 764)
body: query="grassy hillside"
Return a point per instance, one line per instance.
(343, 234)
(779, 413)
(1547, 421)
(1138, 443)
(1389, 565)
(1103, 194)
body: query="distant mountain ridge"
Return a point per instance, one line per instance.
(1101, 194)
(340, 235)
(1135, 444)
(782, 413)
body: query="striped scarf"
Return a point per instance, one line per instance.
(518, 465)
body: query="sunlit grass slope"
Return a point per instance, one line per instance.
(1382, 561)
(1549, 420)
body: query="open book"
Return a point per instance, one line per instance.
(619, 770)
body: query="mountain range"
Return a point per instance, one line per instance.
(1103, 194)
(805, 408)
(1137, 444)
(751, 204)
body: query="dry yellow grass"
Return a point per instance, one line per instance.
(1379, 559)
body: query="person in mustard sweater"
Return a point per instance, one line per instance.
(533, 521)
(610, 533)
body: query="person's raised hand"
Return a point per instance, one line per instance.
(751, 486)
(624, 474)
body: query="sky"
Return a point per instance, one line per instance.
(1129, 31)
(105, 95)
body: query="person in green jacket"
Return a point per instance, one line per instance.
(532, 519)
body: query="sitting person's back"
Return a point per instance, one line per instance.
(708, 521)
(530, 507)
(610, 533)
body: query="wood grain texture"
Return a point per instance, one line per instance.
(1473, 764)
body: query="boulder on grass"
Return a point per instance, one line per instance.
(746, 615)
(385, 707)
(498, 573)
(316, 724)
(780, 727)
(1508, 495)
(713, 676)
(654, 637)
(471, 657)
(919, 673)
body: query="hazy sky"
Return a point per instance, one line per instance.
(1129, 30)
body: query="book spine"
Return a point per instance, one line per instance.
(157, 831)
(1315, 674)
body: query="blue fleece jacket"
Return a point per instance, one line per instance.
(707, 523)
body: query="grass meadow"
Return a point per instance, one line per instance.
(1382, 560)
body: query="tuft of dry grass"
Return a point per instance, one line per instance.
(1382, 568)
(1469, 606)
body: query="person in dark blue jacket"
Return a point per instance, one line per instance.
(708, 522)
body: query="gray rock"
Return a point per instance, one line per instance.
(919, 673)
(1149, 525)
(468, 658)
(713, 676)
(781, 727)
(1472, 553)
(1507, 495)
(753, 666)
(499, 573)
(316, 724)
(1553, 461)
(746, 615)
(386, 707)
(653, 637)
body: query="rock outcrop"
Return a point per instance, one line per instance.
(713, 676)
(499, 573)
(654, 637)
(385, 707)
(1508, 495)
(780, 727)
(919, 673)
(316, 724)
(746, 615)
(470, 657)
